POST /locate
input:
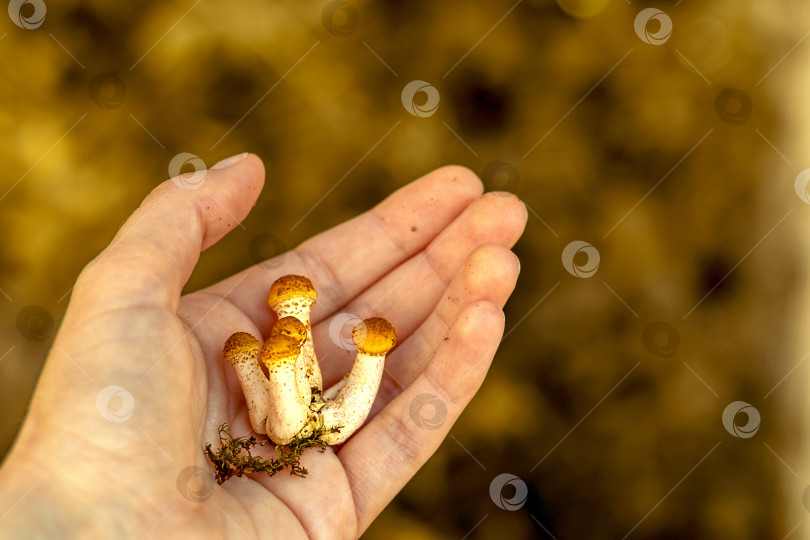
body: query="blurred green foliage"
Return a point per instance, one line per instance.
(614, 117)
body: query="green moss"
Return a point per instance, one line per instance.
(234, 457)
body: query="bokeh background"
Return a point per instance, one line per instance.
(671, 152)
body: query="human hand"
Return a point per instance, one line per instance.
(433, 259)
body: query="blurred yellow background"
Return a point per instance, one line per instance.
(666, 152)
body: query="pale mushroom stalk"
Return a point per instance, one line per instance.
(289, 417)
(343, 415)
(332, 392)
(242, 351)
(293, 296)
(295, 329)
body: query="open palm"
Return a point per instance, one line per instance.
(136, 384)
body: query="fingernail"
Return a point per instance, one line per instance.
(525, 209)
(228, 162)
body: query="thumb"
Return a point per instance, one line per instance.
(152, 256)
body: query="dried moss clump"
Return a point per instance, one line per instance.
(234, 457)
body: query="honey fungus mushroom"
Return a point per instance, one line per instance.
(293, 296)
(242, 351)
(295, 329)
(288, 417)
(275, 404)
(288, 404)
(344, 414)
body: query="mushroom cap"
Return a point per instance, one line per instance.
(291, 286)
(280, 348)
(291, 327)
(239, 345)
(374, 336)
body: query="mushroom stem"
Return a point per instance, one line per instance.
(293, 296)
(288, 417)
(343, 415)
(242, 351)
(332, 392)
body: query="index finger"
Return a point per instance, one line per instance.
(345, 260)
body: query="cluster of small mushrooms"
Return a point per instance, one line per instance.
(289, 403)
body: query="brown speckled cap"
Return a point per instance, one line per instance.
(280, 348)
(239, 345)
(291, 327)
(374, 336)
(290, 286)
